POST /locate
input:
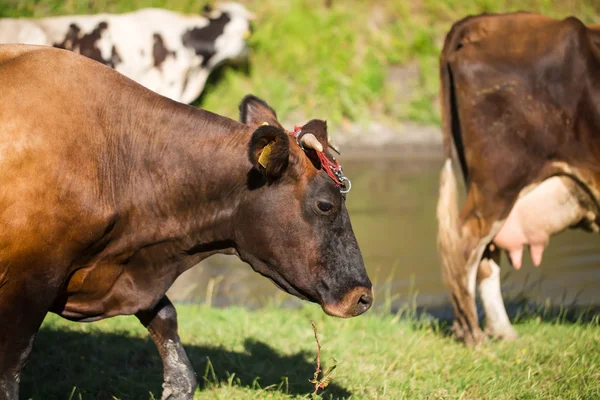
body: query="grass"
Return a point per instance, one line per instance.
(331, 58)
(270, 353)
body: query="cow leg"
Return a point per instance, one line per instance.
(463, 280)
(20, 319)
(14, 354)
(461, 268)
(462, 239)
(179, 377)
(461, 283)
(497, 324)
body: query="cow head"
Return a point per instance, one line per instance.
(294, 225)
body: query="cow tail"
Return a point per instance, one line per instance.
(449, 238)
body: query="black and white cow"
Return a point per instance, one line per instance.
(169, 53)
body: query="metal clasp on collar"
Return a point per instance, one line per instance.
(346, 187)
(296, 135)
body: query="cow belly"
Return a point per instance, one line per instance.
(106, 290)
(549, 208)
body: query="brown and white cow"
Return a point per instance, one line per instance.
(521, 115)
(167, 52)
(109, 191)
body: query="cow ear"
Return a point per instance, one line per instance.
(255, 112)
(269, 151)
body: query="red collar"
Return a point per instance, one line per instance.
(332, 168)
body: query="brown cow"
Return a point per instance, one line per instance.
(109, 191)
(520, 104)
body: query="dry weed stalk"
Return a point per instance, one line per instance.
(327, 374)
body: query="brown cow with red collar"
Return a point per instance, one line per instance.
(109, 191)
(520, 101)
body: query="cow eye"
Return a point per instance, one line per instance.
(324, 206)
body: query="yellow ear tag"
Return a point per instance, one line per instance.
(265, 154)
(264, 123)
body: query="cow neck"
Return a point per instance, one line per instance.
(190, 178)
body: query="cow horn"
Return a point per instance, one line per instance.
(309, 141)
(331, 145)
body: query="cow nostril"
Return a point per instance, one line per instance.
(365, 300)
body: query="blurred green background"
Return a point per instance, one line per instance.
(347, 60)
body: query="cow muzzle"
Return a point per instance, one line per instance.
(354, 303)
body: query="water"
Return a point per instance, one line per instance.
(392, 208)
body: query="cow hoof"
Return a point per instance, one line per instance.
(507, 333)
(179, 387)
(170, 393)
(471, 338)
(475, 339)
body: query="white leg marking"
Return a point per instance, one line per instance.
(497, 322)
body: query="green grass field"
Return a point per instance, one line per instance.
(330, 58)
(332, 62)
(270, 354)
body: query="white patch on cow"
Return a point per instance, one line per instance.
(497, 322)
(105, 44)
(231, 44)
(180, 76)
(56, 28)
(472, 277)
(476, 255)
(21, 31)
